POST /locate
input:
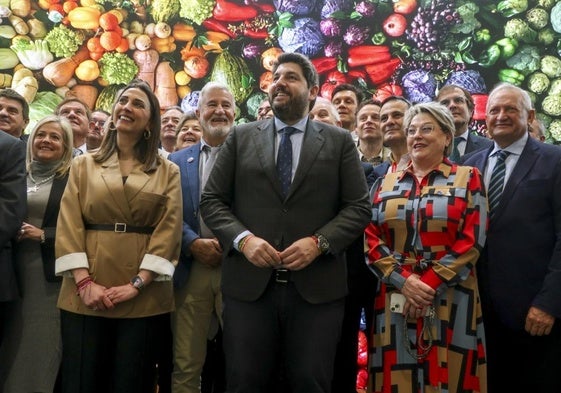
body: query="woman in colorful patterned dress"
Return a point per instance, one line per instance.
(428, 227)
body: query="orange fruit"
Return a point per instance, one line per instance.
(123, 46)
(108, 21)
(110, 40)
(68, 6)
(94, 45)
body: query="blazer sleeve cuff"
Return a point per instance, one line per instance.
(431, 279)
(66, 263)
(158, 265)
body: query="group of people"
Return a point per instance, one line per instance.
(136, 245)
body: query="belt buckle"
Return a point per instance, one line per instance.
(120, 227)
(281, 276)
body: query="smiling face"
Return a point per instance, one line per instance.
(11, 117)
(216, 113)
(455, 100)
(368, 123)
(507, 118)
(189, 134)
(48, 143)
(289, 93)
(131, 114)
(346, 103)
(426, 141)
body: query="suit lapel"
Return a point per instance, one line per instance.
(190, 167)
(311, 145)
(111, 175)
(264, 137)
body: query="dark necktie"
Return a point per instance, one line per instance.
(455, 155)
(496, 183)
(284, 159)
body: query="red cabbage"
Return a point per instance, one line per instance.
(296, 7)
(419, 86)
(304, 38)
(471, 80)
(331, 6)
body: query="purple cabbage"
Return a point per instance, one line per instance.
(304, 37)
(365, 8)
(190, 101)
(333, 49)
(471, 80)
(297, 7)
(331, 27)
(419, 86)
(356, 35)
(331, 6)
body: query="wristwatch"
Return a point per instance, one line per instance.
(137, 282)
(323, 243)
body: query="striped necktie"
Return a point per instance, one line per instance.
(496, 183)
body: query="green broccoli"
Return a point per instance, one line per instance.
(196, 10)
(551, 105)
(526, 59)
(64, 42)
(34, 55)
(520, 30)
(164, 10)
(117, 68)
(538, 82)
(537, 18)
(554, 130)
(551, 66)
(509, 8)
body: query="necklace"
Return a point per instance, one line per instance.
(35, 188)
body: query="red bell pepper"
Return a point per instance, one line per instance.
(324, 64)
(356, 73)
(215, 25)
(368, 54)
(227, 11)
(480, 101)
(381, 72)
(250, 31)
(265, 7)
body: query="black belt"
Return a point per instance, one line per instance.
(120, 227)
(282, 276)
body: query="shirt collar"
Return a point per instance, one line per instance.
(464, 135)
(514, 148)
(300, 125)
(444, 168)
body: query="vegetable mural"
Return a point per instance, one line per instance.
(90, 48)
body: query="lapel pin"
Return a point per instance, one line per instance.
(190, 159)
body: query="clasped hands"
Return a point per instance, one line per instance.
(98, 298)
(418, 296)
(295, 257)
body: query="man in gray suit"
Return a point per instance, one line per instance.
(460, 103)
(285, 198)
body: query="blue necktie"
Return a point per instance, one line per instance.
(496, 183)
(284, 159)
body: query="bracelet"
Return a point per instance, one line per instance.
(42, 237)
(82, 284)
(243, 242)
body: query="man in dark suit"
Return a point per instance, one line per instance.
(520, 267)
(14, 113)
(12, 212)
(460, 103)
(285, 198)
(198, 274)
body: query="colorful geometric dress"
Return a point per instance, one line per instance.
(434, 228)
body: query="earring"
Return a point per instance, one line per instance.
(147, 134)
(111, 126)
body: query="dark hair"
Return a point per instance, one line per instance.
(14, 95)
(348, 87)
(369, 101)
(467, 95)
(396, 98)
(146, 150)
(74, 99)
(308, 69)
(173, 107)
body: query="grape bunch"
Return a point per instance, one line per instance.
(432, 24)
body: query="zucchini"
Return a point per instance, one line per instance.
(7, 31)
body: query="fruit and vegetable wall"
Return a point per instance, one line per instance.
(90, 48)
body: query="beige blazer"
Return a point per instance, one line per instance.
(95, 194)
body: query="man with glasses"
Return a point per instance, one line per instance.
(460, 103)
(97, 129)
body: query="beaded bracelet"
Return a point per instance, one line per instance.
(83, 283)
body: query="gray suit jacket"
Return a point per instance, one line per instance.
(328, 195)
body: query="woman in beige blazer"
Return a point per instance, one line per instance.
(117, 244)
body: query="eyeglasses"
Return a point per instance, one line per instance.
(425, 129)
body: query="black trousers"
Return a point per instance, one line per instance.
(280, 328)
(110, 355)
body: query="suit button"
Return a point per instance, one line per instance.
(285, 210)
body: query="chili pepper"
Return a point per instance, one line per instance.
(227, 11)
(508, 47)
(511, 76)
(215, 25)
(381, 72)
(379, 38)
(324, 64)
(368, 54)
(483, 36)
(490, 56)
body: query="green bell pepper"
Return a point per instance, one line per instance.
(511, 76)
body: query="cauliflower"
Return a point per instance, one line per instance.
(64, 42)
(547, 36)
(551, 105)
(196, 10)
(163, 10)
(551, 66)
(117, 68)
(520, 30)
(34, 55)
(526, 59)
(538, 82)
(537, 18)
(547, 4)
(555, 87)
(554, 130)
